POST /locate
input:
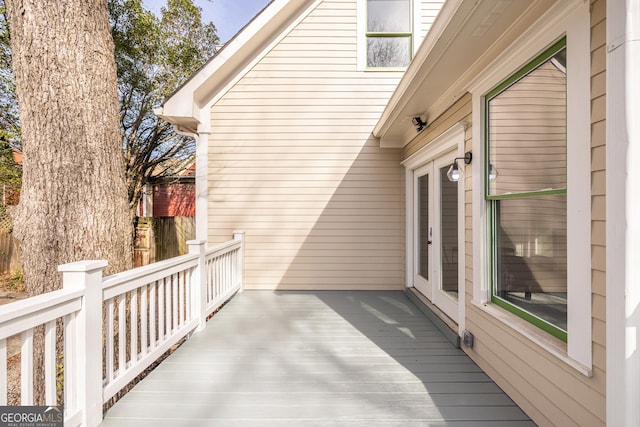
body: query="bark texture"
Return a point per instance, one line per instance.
(73, 204)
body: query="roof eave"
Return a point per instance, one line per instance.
(461, 42)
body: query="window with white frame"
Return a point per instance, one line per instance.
(389, 34)
(526, 190)
(532, 216)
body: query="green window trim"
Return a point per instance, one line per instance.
(508, 82)
(492, 200)
(550, 328)
(535, 63)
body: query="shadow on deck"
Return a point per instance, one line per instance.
(318, 358)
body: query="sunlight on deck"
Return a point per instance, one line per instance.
(317, 359)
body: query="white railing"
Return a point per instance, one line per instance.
(143, 313)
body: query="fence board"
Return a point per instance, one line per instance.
(9, 253)
(162, 238)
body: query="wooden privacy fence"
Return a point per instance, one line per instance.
(148, 309)
(161, 238)
(9, 253)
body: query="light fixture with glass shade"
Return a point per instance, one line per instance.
(493, 173)
(455, 173)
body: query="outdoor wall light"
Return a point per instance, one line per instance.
(493, 173)
(454, 174)
(418, 123)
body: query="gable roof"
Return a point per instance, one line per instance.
(186, 108)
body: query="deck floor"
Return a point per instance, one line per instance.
(317, 359)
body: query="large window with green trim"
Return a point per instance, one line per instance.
(526, 190)
(389, 33)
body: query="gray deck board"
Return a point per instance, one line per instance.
(318, 359)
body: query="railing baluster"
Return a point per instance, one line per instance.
(153, 309)
(167, 290)
(122, 334)
(50, 363)
(161, 311)
(26, 369)
(181, 293)
(217, 274)
(3, 372)
(133, 327)
(188, 294)
(144, 316)
(70, 376)
(211, 281)
(174, 289)
(110, 341)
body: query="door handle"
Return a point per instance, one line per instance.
(429, 242)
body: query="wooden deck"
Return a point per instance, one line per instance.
(317, 359)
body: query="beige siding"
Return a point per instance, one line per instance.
(598, 71)
(428, 11)
(460, 111)
(293, 164)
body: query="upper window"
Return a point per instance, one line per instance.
(389, 33)
(526, 189)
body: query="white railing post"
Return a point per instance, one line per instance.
(199, 284)
(239, 235)
(87, 275)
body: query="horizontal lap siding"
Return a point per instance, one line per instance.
(293, 164)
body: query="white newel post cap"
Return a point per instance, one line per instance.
(83, 266)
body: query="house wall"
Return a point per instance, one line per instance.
(549, 390)
(174, 199)
(293, 164)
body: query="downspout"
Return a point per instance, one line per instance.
(202, 186)
(623, 212)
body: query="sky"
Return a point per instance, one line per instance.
(229, 16)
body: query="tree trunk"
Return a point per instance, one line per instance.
(73, 204)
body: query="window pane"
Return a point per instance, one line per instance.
(388, 51)
(531, 255)
(449, 233)
(389, 16)
(425, 230)
(527, 131)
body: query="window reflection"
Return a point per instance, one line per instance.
(532, 255)
(527, 124)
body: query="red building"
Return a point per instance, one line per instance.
(170, 196)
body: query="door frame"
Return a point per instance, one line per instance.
(423, 284)
(452, 140)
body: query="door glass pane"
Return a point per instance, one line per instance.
(449, 233)
(423, 226)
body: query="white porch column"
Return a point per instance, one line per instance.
(85, 376)
(202, 185)
(623, 212)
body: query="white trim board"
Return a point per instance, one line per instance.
(573, 20)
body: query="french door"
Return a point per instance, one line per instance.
(435, 234)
